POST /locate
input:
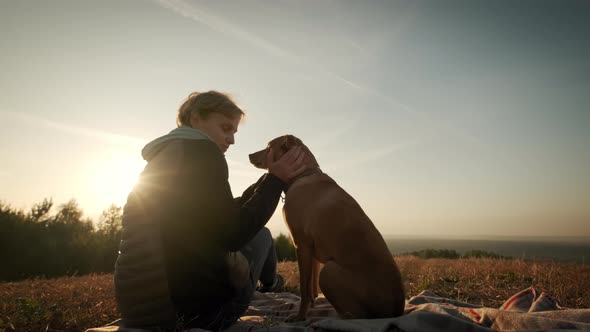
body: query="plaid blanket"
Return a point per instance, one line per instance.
(528, 310)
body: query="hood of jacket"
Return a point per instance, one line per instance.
(184, 132)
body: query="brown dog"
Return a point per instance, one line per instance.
(359, 278)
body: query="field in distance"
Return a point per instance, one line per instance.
(562, 249)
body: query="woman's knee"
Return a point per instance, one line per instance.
(259, 244)
(263, 236)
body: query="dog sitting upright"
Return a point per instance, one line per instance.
(360, 277)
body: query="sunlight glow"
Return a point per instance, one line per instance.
(115, 176)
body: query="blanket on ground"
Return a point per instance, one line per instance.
(528, 310)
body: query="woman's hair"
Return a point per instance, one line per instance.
(204, 103)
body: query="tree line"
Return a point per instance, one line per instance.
(44, 243)
(453, 254)
(39, 243)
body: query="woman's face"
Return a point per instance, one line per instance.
(219, 127)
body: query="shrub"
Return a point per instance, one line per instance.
(435, 253)
(285, 249)
(483, 254)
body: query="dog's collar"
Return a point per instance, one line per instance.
(305, 174)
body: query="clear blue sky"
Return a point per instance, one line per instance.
(439, 117)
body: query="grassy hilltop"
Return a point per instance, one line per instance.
(77, 303)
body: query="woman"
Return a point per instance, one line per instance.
(191, 255)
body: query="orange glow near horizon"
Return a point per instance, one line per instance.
(114, 176)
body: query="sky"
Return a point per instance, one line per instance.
(441, 118)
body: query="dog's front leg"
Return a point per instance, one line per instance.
(315, 280)
(304, 260)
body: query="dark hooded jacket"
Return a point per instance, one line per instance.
(179, 224)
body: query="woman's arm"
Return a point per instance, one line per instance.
(248, 192)
(218, 216)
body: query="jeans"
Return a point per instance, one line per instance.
(262, 258)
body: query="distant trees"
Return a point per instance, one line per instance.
(43, 243)
(111, 221)
(108, 236)
(435, 253)
(285, 249)
(38, 243)
(453, 254)
(483, 254)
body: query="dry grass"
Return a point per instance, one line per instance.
(490, 282)
(77, 303)
(62, 304)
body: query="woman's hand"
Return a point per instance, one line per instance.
(288, 166)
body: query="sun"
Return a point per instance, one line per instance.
(116, 173)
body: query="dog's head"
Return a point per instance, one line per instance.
(280, 146)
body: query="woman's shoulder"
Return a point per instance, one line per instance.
(204, 154)
(201, 149)
(180, 151)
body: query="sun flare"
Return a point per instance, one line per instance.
(115, 176)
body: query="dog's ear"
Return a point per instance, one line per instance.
(290, 141)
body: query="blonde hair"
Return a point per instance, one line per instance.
(204, 103)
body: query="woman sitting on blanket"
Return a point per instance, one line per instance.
(191, 254)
